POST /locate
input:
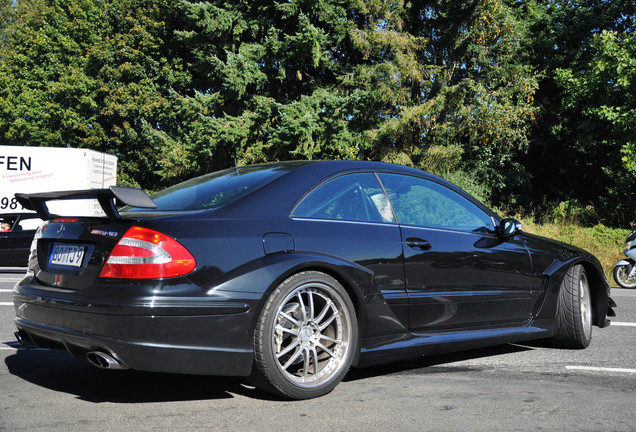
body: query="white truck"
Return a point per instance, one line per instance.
(45, 169)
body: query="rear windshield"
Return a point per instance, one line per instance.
(216, 189)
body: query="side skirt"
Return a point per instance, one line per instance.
(414, 345)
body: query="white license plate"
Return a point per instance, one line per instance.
(67, 255)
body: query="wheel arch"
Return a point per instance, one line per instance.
(260, 278)
(366, 297)
(599, 287)
(354, 279)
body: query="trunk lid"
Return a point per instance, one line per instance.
(70, 253)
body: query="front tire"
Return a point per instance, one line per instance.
(621, 276)
(305, 337)
(574, 311)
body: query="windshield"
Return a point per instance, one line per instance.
(216, 189)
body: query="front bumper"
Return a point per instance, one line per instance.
(203, 336)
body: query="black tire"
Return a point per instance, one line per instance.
(574, 311)
(305, 338)
(622, 278)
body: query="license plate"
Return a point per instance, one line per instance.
(67, 255)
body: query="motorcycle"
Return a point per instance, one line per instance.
(625, 270)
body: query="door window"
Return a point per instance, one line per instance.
(425, 203)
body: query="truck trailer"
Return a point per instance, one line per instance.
(43, 169)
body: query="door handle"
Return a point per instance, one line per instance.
(417, 243)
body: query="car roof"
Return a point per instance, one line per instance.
(320, 169)
(276, 198)
(20, 215)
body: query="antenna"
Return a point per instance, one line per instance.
(235, 165)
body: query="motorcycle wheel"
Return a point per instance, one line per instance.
(621, 276)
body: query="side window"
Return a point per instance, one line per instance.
(353, 197)
(422, 202)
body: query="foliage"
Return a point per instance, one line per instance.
(522, 103)
(469, 183)
(489, 93)
(603, 242)
(91, 74)
(571, 212)
(585, 95)
(357, 79)
(605, 93)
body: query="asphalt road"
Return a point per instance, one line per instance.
(505, 388)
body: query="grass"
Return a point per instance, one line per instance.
(603, 242)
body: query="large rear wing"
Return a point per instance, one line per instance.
(106, 197)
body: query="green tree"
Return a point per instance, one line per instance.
(480, 91)
(604, 92)
(46, 96)
(413, 83)
(91, 74)
(268, 84)
(180, 88)
(575, 153)
(139, 74)
(490, 93)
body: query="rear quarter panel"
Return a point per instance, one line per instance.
(232, 263)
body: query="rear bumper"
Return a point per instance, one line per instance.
(190, 337)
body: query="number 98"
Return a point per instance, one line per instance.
(6, 203)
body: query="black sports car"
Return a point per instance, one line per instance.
(292, 272)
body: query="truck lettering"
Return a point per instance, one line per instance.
(16, 163)
(30, 169)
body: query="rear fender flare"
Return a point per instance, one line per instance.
(257, 279)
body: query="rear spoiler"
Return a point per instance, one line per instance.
(106, 197)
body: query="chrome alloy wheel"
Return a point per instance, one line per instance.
(312, 335)
(586, 306)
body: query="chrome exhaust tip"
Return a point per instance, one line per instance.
(104, 361)
(24, 339)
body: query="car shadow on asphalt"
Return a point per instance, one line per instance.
(58, 371)
(429, 364)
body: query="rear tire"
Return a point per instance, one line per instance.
(305, 337)
(574, 311)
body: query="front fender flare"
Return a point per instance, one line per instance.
(599, 287)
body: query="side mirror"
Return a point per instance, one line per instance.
(509, 227)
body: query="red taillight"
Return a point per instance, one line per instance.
(146, 254)
(65, 220)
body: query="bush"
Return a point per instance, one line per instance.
(603, 242)
(469, 183)
(573, 212)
